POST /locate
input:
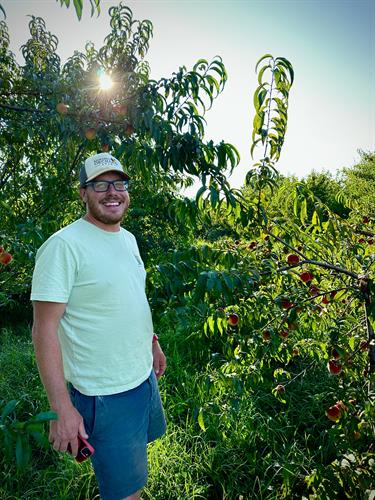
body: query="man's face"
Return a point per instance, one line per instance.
(107, 208)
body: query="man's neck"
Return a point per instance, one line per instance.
(112, 228)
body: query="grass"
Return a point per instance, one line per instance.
(247, 443)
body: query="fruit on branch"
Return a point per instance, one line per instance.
(280, 389)
(285, 303)
(306, 276)
(325, 299)
(62, 108)
(334, 367)
(120, 109)
(365, 220)
(252, 245)
(90, 133)
(292, 259)
(266, 335)
(313, 290)
(284, 334)
(292, 325)
(233, 319)
(361, 240)
(129, 130)
(295, 351)
(364, 345)
(5, 258)
(356, 435)
(105, 148)
(370, 241)
(334, 413)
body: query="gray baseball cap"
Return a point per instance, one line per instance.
(99, 164)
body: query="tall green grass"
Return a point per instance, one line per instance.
(228, 437)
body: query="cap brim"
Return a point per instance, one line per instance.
(123, 174)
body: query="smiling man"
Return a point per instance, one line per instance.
(97, 354)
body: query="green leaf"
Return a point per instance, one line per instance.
(262, 59)
(287, 65)
(303, 212)
(78, 6)
(23, 451)
(9, 407)
(201, 420)
(44, 417)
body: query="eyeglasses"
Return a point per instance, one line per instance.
(103, 186)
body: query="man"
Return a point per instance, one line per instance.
(93, 335)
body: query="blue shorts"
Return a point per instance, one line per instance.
(119, 427)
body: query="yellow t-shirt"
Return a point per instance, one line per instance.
(106, 331)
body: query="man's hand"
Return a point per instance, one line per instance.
(65, 430)
(160, 361)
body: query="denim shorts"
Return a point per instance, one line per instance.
(119, 427)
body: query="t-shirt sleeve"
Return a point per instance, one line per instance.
(55, 271)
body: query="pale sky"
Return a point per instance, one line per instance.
(331, 45)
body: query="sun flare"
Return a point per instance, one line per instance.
(105, 81)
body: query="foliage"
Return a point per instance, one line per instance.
(78, 5)
(264, 297)
(49, 110)
(359, 181)
(16, 434)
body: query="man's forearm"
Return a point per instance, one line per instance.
(49, 360)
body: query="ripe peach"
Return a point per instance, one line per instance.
(5, 258)
(90, 133)
(364, 346)
(62, 108)
(129, 130)
(306, 276)
(266, 335)
(285, 303)
(313, 290)
(334, 367)
(292, 326)
(334, 413)
(292, 259)
(233, 319)
(120, 109)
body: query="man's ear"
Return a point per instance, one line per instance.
(83, 195)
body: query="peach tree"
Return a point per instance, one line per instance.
(278, 294)
(53, 115)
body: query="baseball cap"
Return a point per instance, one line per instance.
(98, 164)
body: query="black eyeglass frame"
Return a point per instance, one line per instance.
(124, 182)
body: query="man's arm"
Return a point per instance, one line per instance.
(64, 431)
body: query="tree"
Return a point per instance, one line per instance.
(53, 116)
(359, 184)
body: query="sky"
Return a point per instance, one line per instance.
(330, 43)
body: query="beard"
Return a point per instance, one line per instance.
(98, 212)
